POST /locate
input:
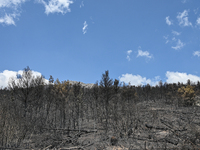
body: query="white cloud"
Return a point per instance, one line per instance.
(129, 52)
(11, 9)
(134, 79)
(144, 54)
(196, 10)
(8, 19)
(183, 19)
(175, 77)
(166, 38)
(169, 22)
(179, 45)
(184, 1)
(82, 5)
(196, 53)
(6, 75)
(11, 3)
(128, 55)
(138, 80)
(176, 33)
(85, 27)
(172, 77)
(198, 21)
(56, 6)
(173, 39)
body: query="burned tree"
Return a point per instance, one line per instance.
(106, 89)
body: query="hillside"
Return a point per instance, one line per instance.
(108, 115)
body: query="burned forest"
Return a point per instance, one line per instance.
(106, 115)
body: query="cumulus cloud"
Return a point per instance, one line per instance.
(144, 54)
(175, 77)
(7, 74)
(134, 79)
(128, 55)
(85, 27)
(138, 80)
(196, 53)
(176, 33)
(169, 22)
(171, 77)
(56, 6)
(183, 18)
(179, 44)
(11, 11)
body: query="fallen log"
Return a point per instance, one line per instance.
(86, 131)
(171, 127)
(14, 148)
(157, 128)
(172, 141)
(166, 123)
(150, 140)
(76, 147)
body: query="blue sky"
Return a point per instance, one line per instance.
(137, 41)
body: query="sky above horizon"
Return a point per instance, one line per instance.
(137, 41)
